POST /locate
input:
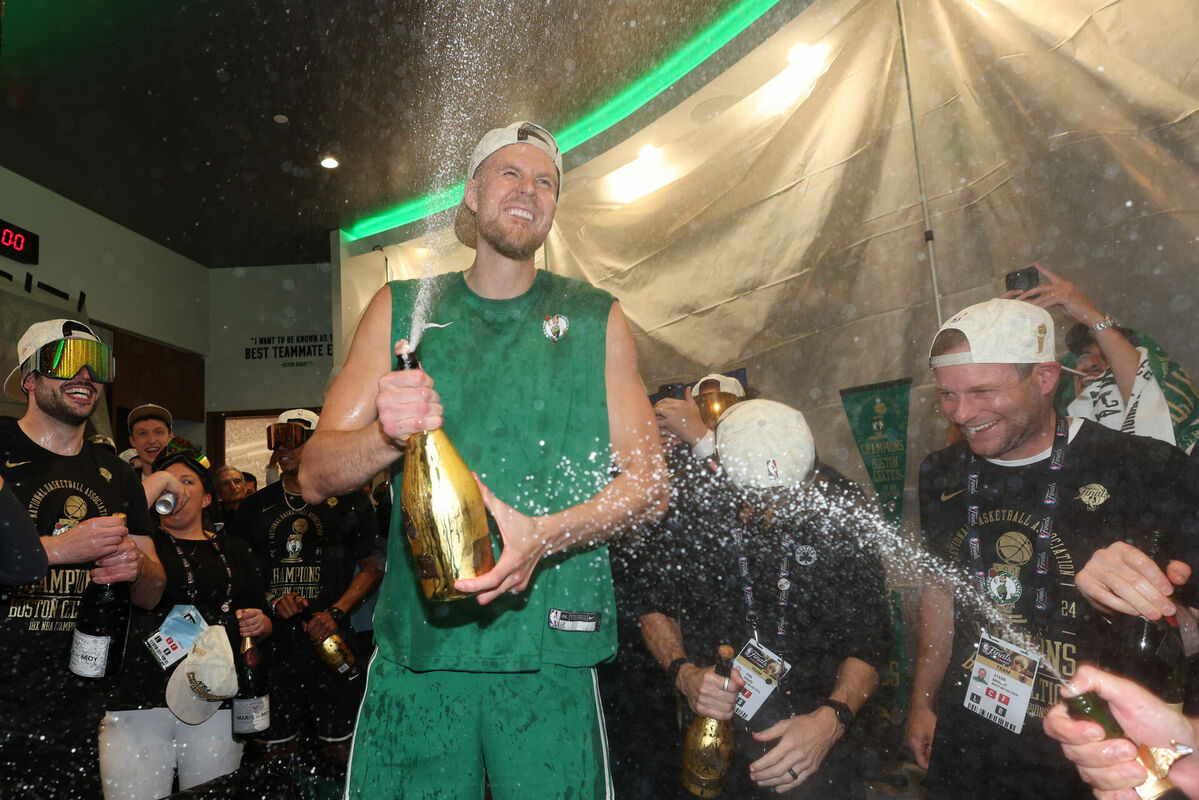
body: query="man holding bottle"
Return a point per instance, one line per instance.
(772, 555)
(539, 391)
(309, 553)
(1023, 501)
(74, 491)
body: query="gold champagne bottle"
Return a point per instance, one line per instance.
(708, 745)
(445, 519)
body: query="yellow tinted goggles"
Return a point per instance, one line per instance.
(66, 357)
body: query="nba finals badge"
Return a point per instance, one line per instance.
(1093, 495)
(555, 326)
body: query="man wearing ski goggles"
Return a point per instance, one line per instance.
(291, 430)
(74, 360)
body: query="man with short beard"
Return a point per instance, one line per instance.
(73, 490)
(1022, 502)
(538, 376)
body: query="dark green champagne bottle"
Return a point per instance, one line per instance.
(252, 705)
(1147, 651)
(1090, 706)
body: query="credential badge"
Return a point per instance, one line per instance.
(1093, 495)
(555, 326)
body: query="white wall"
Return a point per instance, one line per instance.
(130, 281)
(262, 321)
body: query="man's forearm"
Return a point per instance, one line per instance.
(663, 638)
(934, 641)
(365, 582)
(631, 498)
(337, 462)
(856, 681)
(146, 590)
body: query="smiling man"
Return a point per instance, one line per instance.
(1025, 500)
(74, 491)
(149, 432)
(538, 386)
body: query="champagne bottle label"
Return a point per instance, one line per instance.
(89, 654)
(251, 715)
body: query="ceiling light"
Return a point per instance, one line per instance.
(329, 162)
(647, 173)
(793, 84)
(281, 119)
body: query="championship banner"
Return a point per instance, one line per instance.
(878, 417)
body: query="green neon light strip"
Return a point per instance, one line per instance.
(646, 88)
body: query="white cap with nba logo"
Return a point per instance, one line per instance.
(999, 331)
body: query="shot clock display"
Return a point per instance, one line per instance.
(17, 243)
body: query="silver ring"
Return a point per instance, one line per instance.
(726, 684)
(791, 772)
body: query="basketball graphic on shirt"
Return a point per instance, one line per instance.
(74, 509)
(1014, 548)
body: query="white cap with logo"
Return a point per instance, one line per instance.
(39, 335)
(764, 444)
(204, 678)
(999, 331)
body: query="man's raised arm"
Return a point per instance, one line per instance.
(370, 411)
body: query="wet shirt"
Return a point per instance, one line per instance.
(1112, 487)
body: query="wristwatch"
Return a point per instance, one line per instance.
(673, 670)
(844, 715)
(338, 615)
(1104, 324)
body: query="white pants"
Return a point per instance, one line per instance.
(140, 751)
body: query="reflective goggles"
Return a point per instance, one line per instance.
(179, 446)
(63, 360)
(713, 404)
(288, 435)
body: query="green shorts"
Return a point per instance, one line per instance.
(429, 735)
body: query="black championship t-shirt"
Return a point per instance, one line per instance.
(48, 716)
(309, 550)
(1111, 487)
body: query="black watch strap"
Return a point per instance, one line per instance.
(338, 615)
(672, 671)
(844, 715)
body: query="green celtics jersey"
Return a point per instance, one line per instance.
(522, 383)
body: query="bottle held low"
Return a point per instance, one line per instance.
(444, 515)
(708, 744)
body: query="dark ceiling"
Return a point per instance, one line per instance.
(160, 115)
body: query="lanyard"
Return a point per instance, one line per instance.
(191, 576)
(1041, 580)
(783, 585)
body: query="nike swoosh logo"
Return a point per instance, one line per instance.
(15, 464)
(950, 495)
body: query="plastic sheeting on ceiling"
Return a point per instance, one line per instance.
(773, 219)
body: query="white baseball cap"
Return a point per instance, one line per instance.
(999, 332)
(764, 444)
(308, 419)
(520, 132)
(204, 678)
(727, 384)
(38, 335)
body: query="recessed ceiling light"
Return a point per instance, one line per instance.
(329, 162)
(281, 119)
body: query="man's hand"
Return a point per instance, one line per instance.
(252, 622)
(320, 626)
(1057, 291)
(922, 723)
(123, 565)
(288, 605)
(803, 742)
(89, 540)
(1120, 578)
(706, 693)
(523, 548)
(406, 402)
(1109, 765)
(681, 417)
(163, 481)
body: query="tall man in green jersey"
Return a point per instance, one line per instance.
(539, 391)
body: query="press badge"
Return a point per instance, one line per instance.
(762, 670)
(173, 639)
(1001, 682)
